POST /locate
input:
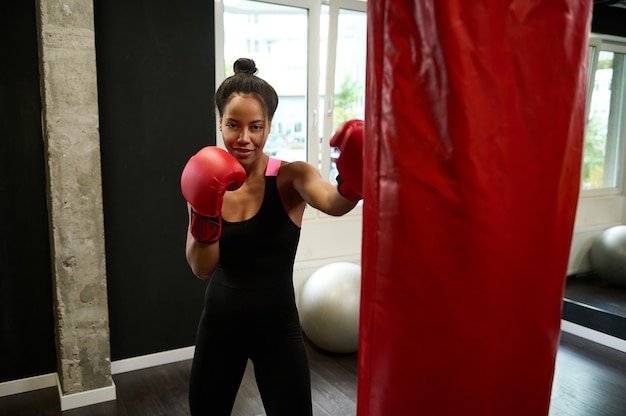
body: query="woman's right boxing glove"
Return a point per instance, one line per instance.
(204, 181)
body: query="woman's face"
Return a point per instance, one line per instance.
(244, 128)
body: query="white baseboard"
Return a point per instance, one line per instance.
(85, 398)
(593, 335)
(23, 385)
(151, 360)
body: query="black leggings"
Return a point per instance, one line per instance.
(261, 325)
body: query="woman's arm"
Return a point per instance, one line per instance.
(202, 258)
(317, 192)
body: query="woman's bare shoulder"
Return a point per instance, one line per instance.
(296, 167)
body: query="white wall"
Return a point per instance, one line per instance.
(324, 236)
(328, 239)
(594, 215)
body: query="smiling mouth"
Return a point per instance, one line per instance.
(243, 150)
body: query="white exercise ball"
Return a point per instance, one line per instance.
(608, 255)
(329, 307)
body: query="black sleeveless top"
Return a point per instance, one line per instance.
(260, 251)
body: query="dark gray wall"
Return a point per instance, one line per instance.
(155, 84)
(609, 20)
(27, 345)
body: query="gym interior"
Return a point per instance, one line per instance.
(102, 103)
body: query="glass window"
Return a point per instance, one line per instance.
(276, 37)
(604, 132)
(298, 46)
(290, 41)
(349, 86)
(349, 97)
(345, 74)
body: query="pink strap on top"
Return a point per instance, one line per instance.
(272, 167)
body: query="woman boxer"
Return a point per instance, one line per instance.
(245, 214)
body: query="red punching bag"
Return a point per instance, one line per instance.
(474, 120)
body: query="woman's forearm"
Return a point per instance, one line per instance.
(202, 258)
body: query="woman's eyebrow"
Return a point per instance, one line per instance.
(251, 122)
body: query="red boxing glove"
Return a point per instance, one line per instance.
(204, 181)
(349, 140)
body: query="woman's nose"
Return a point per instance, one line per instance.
(244, 135)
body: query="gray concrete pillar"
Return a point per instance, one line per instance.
(72, 144)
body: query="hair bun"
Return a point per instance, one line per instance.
(245, 65)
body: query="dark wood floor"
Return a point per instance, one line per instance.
(590, 380)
